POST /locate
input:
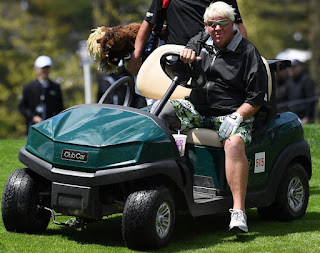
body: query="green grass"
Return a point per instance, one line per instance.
(205, 234)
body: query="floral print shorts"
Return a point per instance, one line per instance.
(191, 118)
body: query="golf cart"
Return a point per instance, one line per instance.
(94, 160)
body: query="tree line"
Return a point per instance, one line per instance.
(29, 28)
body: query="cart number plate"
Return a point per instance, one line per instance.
(260, 162)
(74, 155)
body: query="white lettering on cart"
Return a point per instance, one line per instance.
(74, 155)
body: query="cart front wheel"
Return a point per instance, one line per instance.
(148, 219)
(24, 196)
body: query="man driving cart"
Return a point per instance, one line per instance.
(234, 92)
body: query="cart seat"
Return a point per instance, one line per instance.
(203, 137)
(152, 83)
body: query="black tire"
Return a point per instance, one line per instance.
(22, 205)
(148, 219)
(292, 195)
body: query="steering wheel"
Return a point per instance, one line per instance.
(174, 68)
(126, 80)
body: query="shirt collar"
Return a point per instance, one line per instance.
(232, 46)
(44, 83)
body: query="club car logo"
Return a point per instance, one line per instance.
(74, 155)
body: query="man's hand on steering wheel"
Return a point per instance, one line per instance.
(188, 55)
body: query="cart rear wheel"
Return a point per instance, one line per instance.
(292, 196)
(148, 219)
(24, 196)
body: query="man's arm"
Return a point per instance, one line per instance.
(231, 123)
(242, 30)
(247, 110)
(309, 93)
(238, 18)
(143, 35)
(23, 104)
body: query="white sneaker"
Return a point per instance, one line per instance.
(238, 221)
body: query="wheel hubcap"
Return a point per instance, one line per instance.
(163, 220)
(295, 194)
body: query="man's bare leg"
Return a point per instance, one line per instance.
(236, 166)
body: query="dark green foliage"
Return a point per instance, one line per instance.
(54, 27)
(50, 27)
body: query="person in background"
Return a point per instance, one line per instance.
(118, 97)
(232, 96)
(184, 19)
(40, 98)
(282, 81)
(106, 80)
(301, 93)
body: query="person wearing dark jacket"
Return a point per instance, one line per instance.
(234, 91)
(40, 98)
(301, 93)
(118, 97)
(184, 19)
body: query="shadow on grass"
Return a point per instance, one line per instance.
(196, 233)
(207, 231)
(314, 190)
(193, 233)
(106, 232)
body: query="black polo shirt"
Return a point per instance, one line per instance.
(184, 18)
(235, 75)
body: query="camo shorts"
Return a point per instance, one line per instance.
(190, 118)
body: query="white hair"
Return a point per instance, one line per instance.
(219, 9)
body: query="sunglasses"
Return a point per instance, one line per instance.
(221, 23)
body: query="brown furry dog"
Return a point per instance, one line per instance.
(112, 44)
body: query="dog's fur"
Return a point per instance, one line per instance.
(114, 44)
